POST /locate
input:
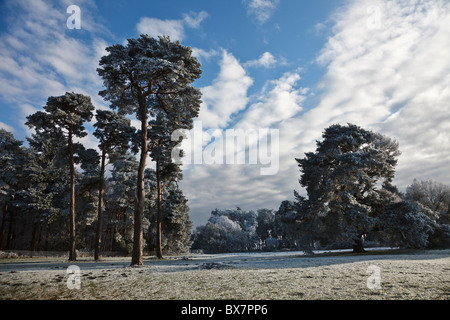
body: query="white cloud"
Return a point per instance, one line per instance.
(202, 54)
(279, 100)
(155, 27)
(262, 10)
(267, 60)
(227, 95)
(175, 29)
(193, 19)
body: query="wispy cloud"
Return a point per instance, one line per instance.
(262, 10)
(193, 19)
(41, 57)
(174, 28)
(280, 100)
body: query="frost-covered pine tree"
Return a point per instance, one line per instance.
(119, 203)
(175, 221)
(143, 78)
(168, 172)
(65, 116)
(47, 176)
(114, 132)
(343, 179)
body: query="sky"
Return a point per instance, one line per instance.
(285, 68)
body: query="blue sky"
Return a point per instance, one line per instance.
(294, 66)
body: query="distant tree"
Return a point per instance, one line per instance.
(433, 199)
(227, 231)
(265, 225)
(144, 78)
(433, 195)
(309, 224)
(87, 194)
(344, 177)
(175, 222)
(64, 116)
(286, 225)
(114, 133)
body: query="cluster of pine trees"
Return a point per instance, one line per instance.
(350, 200)
(55, 192)
(35, 193)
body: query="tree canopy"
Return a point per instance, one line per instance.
(344, 178)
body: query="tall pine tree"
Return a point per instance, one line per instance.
(143, 78)
(65, 116)
(114, 133)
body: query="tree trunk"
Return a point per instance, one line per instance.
(72, 252)
(98, 242)
(34, 237)
(10, 231)
(358, 246)
(2, 228)
(137, 254)
(158, 248)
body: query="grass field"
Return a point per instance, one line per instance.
(393, 274)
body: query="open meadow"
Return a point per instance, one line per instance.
(393, 274)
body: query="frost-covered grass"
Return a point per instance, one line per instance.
(403, 275)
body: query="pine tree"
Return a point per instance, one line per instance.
(45, 173)
(144, 78)
(64, 116)
(114, 133)
(343, 176)
(120, 199)
(168, 173)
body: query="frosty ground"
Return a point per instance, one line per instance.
(421, 275)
